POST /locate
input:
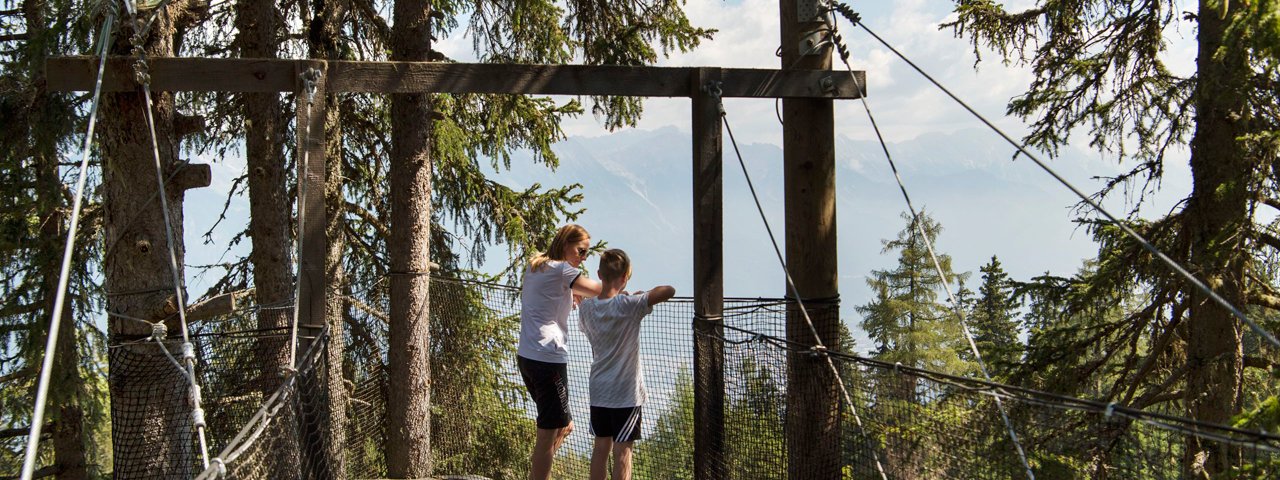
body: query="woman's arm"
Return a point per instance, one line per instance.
(586, 287)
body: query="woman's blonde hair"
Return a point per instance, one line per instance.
(565, 236)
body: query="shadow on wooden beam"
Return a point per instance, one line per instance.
(262, 75)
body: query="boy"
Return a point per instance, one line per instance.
(612, 325)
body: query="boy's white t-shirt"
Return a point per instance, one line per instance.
(545, 301)
(613, 328)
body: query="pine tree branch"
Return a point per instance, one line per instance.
(1155, 396)
(1166, 339)
(48, 471)
(371, 219)
(8, 13)
(1271, 202)
(14, 37)
(1263, 300)
(1168, 397)
(1251, 361)
(1269, 240)
(22, 431)
(23, 373)
(364, 307)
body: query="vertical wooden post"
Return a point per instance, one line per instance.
(311, 181)
(708, 277)
(310, 132)
(813, 399)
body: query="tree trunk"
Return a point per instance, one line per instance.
(268, 197)
(256, 22)
(324, 37)
(409, 365)
(1216, 216)
(152, 433)
(813, 400)
(335, 289)
(67, 385)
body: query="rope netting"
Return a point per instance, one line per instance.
(265, 423)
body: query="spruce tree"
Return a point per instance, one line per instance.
(909, 320)
(1099, 68)
(993, 320)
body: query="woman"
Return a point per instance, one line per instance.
(551, 282)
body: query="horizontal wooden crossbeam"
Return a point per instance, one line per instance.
(270, 75)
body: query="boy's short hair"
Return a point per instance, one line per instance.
(614, 265)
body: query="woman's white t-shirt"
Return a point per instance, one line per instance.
(546, 299)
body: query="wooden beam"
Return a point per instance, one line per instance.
(708, 275)
(267, 75)
(217, 306)
(311, 209)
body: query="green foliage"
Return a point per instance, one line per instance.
(1098, 66)
(672, 437)
(41, 129)
(473, 405)
(905, 319)
(993, 320)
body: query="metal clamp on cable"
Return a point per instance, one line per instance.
(714, 89)
(159, 331)
(197, 417)
(817, 352)
(311, 82)
(220, 467)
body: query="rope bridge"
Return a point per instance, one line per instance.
(264, 423)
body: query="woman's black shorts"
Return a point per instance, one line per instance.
(548, 384)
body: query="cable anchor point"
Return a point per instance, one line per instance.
(311, 82)
(713, 88)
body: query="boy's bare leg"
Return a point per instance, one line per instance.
(622, 461)
(600, 458)
(544, 450)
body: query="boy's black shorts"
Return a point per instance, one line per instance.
(548, 384)
(623, 424)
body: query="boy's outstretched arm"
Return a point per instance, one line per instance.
(661, 294)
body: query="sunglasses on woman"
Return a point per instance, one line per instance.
(582, 252)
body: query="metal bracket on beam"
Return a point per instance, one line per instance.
(811, 42)
(810, 11)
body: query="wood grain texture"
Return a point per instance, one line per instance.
(266, 75)
(708, 274)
